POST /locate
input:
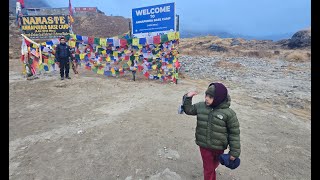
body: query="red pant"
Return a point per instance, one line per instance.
(210, 159)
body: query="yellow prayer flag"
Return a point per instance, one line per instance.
(43, 44)
(112, 70)
(108, 59)
(72, 44)
(73, 36)
(135, 41)
(34, 46)
(175, 59)
(103, 42)
(24, 70)
(115, 53)
(82, 56)
(171, 36)
(100, 71)
(140, 46)
(177, 35)
(154, 67)
(71, 19)
(104, 52)
(159, 75)
(129, 63)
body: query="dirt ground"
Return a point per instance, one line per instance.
(93, 127)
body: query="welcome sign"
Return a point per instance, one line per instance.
(153, 18)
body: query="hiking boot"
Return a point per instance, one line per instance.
(62, 78)
(68, 77)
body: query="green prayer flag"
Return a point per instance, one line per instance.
(164, 38)
(97, 41)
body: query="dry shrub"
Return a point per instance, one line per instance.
(259, 54)
(186, 51)
(226, 64)
(298, 56)
(226, 42)
(181, 75)
(242, 41)
(276, 52)
(217, 41)
(185, 45)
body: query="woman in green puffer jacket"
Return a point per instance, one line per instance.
(217, 127)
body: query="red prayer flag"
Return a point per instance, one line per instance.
(70, 8)
(27, 42)
(177, 64)
(146, 74)
(174, 80)
(156, 39)
(90, 40)
(21, 3)
(22, 58)
(123, 42)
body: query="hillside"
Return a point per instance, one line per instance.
(100, 25)
(297, 48)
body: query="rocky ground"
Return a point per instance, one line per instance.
(278, 82)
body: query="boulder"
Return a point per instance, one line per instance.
(217, 48)
(300, 39)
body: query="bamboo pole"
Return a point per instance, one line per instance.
(28, 39)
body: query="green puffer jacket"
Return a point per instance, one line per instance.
(216, 128)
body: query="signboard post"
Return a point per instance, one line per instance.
(45, 26)
(153, 19)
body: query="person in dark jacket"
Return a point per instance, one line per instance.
(217, 127)
(62, 55)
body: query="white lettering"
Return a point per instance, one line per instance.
(163, 9)
(165, 19)
(153, 10)
(138, 12)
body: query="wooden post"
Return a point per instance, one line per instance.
(133, 71)
(177, 29)
(130, 29)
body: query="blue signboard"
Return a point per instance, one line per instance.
(153, 18)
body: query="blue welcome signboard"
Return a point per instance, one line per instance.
(153, 18)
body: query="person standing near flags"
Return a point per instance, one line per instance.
(62, 55)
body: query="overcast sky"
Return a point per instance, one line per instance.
(246, 17)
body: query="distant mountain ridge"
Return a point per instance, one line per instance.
(222, 34)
